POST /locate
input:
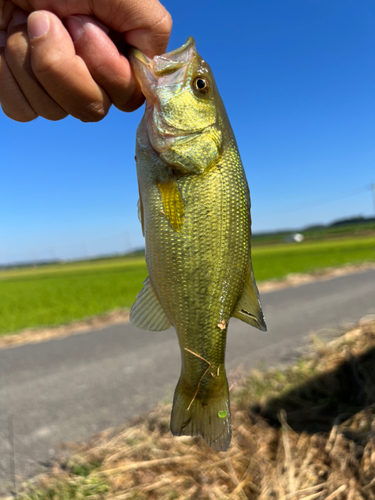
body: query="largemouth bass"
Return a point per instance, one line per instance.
(194, 207)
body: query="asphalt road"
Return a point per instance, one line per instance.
(68, 389)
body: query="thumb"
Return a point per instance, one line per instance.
(61, 72)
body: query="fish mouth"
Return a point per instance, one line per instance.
(171, 61)
(150, 72)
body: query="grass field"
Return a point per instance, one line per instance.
(52, 295)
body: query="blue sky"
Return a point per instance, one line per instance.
(297, 78)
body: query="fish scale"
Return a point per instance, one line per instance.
(195, 214)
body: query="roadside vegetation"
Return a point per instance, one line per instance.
(302, 432)
(51, 295)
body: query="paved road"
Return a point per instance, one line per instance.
(65, 390)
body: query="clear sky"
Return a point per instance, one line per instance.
(298, 81)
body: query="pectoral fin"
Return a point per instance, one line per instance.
(147, 312)
(172, 203)
(248, 307)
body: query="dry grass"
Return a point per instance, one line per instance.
(36, 335)
(307, 432)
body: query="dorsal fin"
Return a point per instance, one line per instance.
(140, 212)
(248, 307)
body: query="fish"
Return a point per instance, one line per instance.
(194, 208)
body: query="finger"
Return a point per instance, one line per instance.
(145, 24)
(6, 11)
(17, 54)
(110, 69)
(62, 73)
(13, 102)
(153, 30)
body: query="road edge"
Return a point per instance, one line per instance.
(121, 316)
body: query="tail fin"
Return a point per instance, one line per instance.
(209, 418)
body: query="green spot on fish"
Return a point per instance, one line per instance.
(222, 413)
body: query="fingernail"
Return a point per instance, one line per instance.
(75, 27)
(19, 17)
(3, 39)
(38, 24)
(87, 21)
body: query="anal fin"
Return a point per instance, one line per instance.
(147, 312)
(248, 307)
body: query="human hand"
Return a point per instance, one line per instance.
(61, 60)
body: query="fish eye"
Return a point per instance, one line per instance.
(201, 84)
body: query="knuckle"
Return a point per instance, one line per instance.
(133, 102)
(95, 112)
(161, 29)
(48, 64)
(163, 24)
(24, 115)
(166, 23)
(54, 115)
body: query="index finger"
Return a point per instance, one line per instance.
(145, 24)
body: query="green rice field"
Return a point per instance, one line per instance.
(53, 295)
